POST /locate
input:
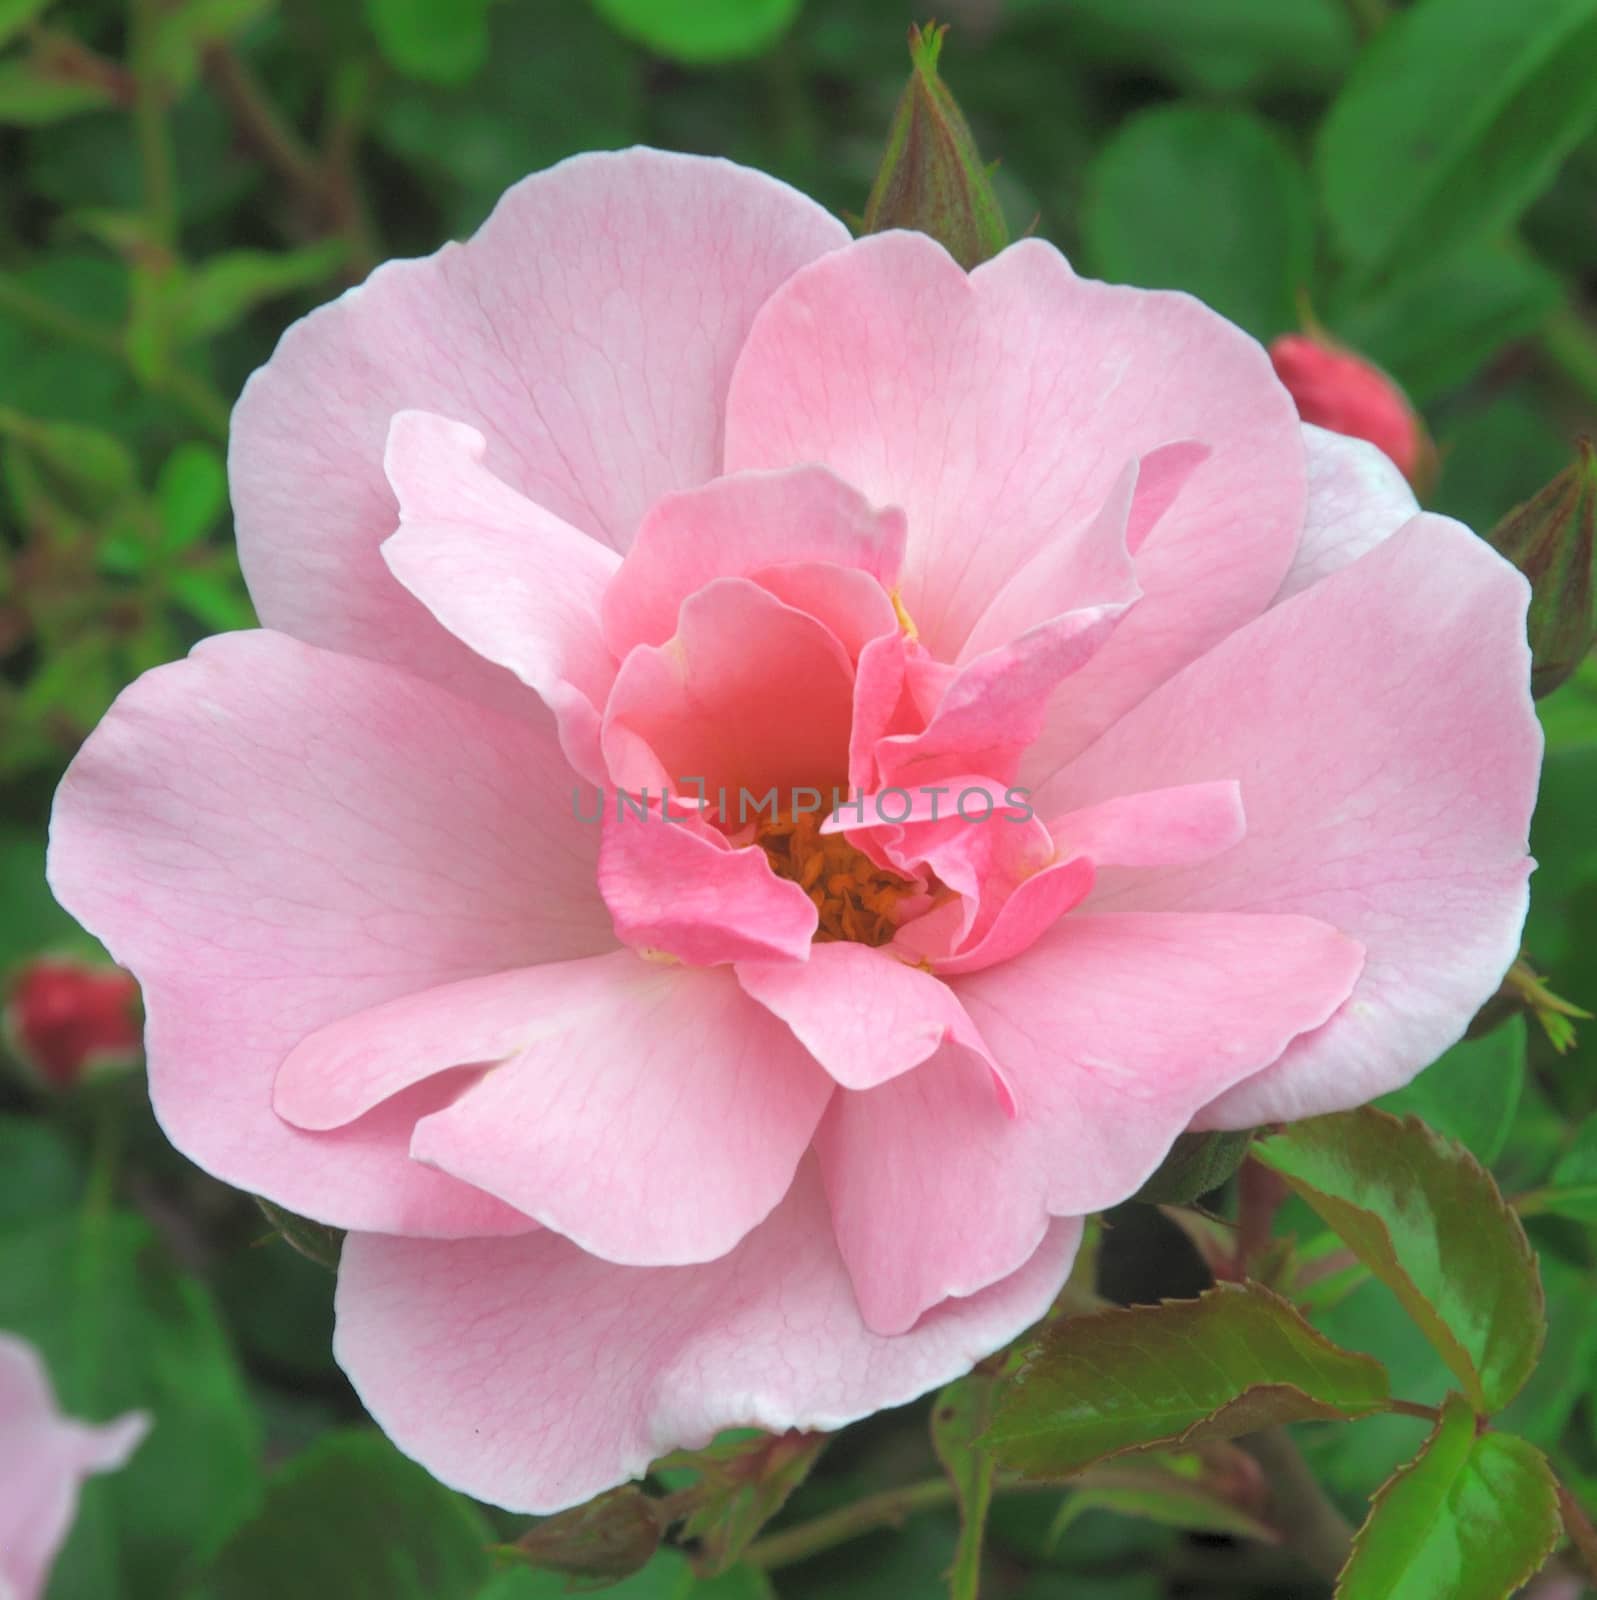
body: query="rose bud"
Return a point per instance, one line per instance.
(66, 1018)
(1549, 538)
(1338, 389)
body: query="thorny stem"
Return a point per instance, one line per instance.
(886, 1509)
(324, 188)
(1579, 1528)
(154, 136)
(1310, 1526)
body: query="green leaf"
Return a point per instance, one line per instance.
(1441, 324)
(960, 1415)
(701, 31)
(1208, 200)
(1571, 1189)
(1197, 1164)
(15, 15)
(31, 95)
(90, 470)
(223, 290)
(1222, 47)
(123, 1330)
(1423, 1214)
(1177, 1491)
(367, 1523)
(1472, 1517)
(1471, 1092)
(191, 493)
(1453, 121)
(1236, 1359)
(437, 41)
(43, 1172)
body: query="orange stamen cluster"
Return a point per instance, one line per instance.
(854, 897)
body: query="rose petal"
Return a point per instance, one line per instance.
(597, 1370)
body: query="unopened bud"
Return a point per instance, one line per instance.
(1549, 539)
(1336, 388)
(932, 179)
(66, 1019)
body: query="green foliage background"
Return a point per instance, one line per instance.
(184, 177)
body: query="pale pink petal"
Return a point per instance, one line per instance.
(597, 1370)
(1083, 567)
(272, 837)
(1000, 407)
(993, 707)
(930, 1188)
(44, 1458)
(1357, 498)
(1161, 476)
(1381, 726)
(651, 1112)
(749, 693)
(588, 330)
(679, 888)
(1157, 828)
(1025, 914)
(736, 527)
(1116, 1029)
(852, 605)
(506, 577)
(865, 1015)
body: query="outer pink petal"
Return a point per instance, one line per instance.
(506, 577)
(1357, 498)
(588, 330)
(998, 408)
(273, 837)
(930, 1188)
(529, 1374)
(1116, 1029)
(652, 1113)
(1382, 728)
(679, 888)
(44, 1457)
(749, 693)
(865, 1015)
(736, 527)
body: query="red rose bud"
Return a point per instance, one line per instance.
(932, 179)
(1336, 389)
(66, 1018)
(1549, 539)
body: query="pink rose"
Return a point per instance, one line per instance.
(656, 1125)
(43, 1458)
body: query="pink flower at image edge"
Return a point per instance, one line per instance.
(44, 1457)
(649, 1127)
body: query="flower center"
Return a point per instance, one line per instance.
(856, 899)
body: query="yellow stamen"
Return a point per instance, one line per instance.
(854, 898)
(905, 620)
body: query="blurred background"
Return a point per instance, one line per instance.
(183, 178)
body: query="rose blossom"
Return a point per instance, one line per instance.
(647, 1128)
(43, 1459)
